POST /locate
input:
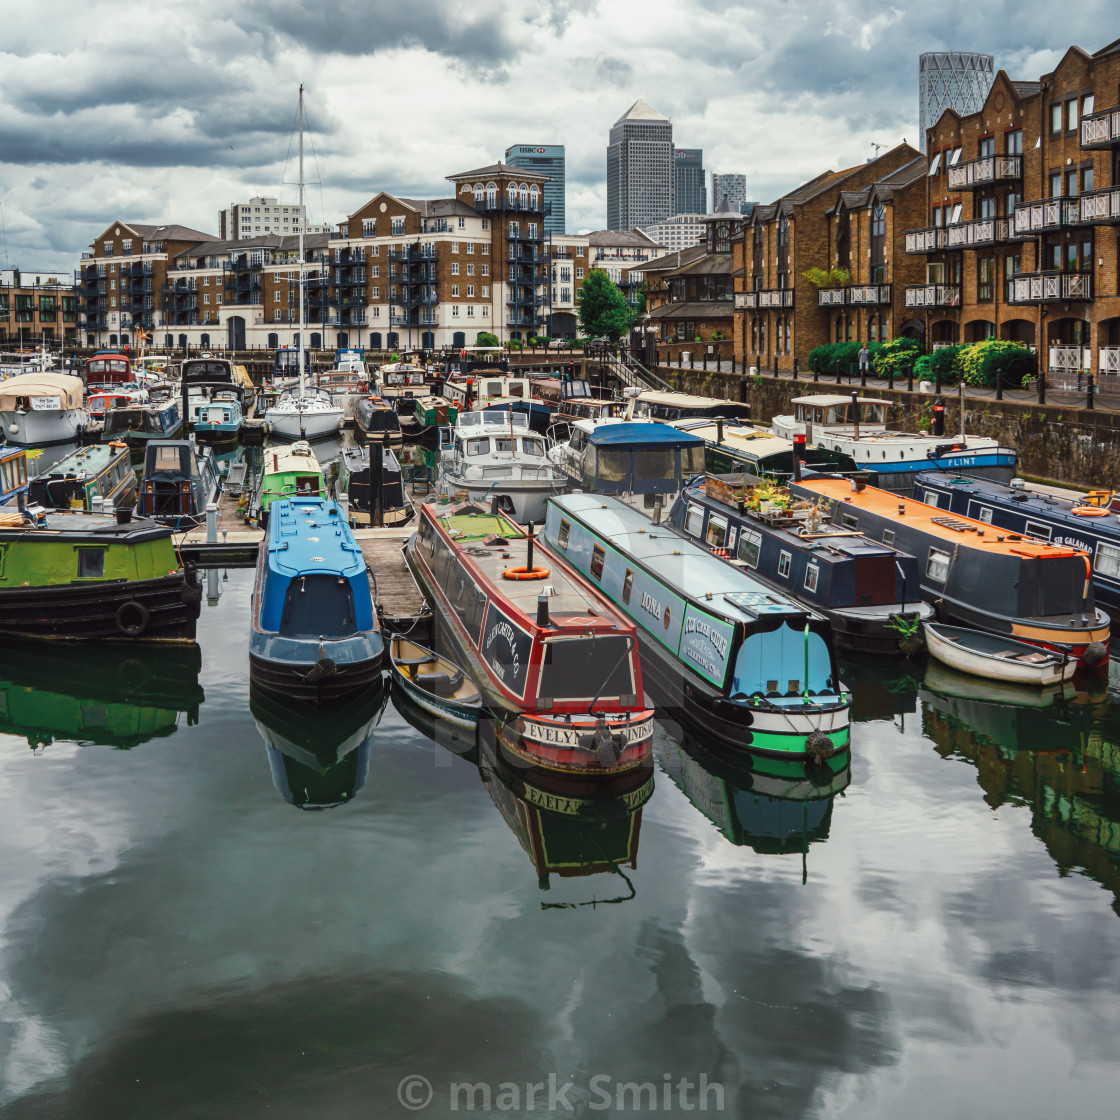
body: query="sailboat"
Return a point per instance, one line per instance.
(303, 411)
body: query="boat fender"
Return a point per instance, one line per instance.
(526, 573)
(1095, 654)
(131, 618)
(818, 746)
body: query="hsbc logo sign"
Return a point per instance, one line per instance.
(527, 151)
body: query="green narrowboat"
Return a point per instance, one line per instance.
(431, 412)
(73, 575)
(102, 471)
(286, 472)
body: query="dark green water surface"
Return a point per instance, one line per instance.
(182, 937)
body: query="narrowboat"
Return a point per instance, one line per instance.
(102, 471)
(42, 408)
(286, 472)
(138, 424)
(711, 636)
(653, 404)
(375, 421)
(13, 473)
(314, 634)
(115, 696)
(218, 419)
(433, 413)
(494, 455)
(101, 401)
(73, 575)
(858, 429)
(319, 757)
(585, 828)
(869, 591)
(365, 505)
(973, 573)
(180, 480)
(645, 464)
(775, 814)
(555, 663)
(759, 454)
(1088, 524)
(108, 369)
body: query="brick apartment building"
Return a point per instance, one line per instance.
(36, 307)
(1019, 235)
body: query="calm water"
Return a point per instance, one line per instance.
(180, 940)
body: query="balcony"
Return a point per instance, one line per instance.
(404, 256)
(1101, 130)
(931, 239)
(1045, 215)
(766, 298)
(514, 206)
(1050, 287)
(1100, 206)
(1069, 359)
(1108, 359)
(933, 295)
(985, 172)
(855, 295)
(978, 233)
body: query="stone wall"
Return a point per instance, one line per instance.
(1056, 442)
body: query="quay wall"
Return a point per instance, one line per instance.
(1057, 442)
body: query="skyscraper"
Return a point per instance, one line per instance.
(544, 159)
(731, 186)
(951, 80)
(690, 190)
(640, 174)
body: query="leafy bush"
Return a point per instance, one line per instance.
(944, 362)
(485, 338)
(843, 356)
(983, 362)
(515, 344)
(828, 278)
(895, 356)
(922, 371)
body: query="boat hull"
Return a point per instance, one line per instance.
(523, 499)
(163, 610)
(303, 425)
(38, 427)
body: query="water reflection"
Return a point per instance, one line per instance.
(771, 805)
(882, 692)
(319, 758)
(118, 696)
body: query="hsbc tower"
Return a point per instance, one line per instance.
(544, 159)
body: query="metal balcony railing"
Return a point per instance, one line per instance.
(1101, 130)
(984, 172)
(1050, 287)
(1100, 206)
(854, 295)
(766, 298)
(1044, 215)
(933, 295)
(980, 232)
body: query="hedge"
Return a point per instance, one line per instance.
(983, 362)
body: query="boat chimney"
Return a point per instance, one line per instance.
(939, 417)
(124, 514)
(855, 415)
(21, 501)
(657, 507)
(798, 451)
(719, 429)
(542, 612)
(529, 553)
(494, 505)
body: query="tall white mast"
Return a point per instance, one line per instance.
(302, 340)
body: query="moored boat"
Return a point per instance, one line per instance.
(103, 400)
(101, 471)
(314, 634)
(365, 504)
(69, 574)
(42, 408)
(138, 424)
(109, 369)
(304, 412)
(655, 404)
(219, 419)
(180, 480)
(750, 667)
(286, 472)
(434, 683)
(997, 658)
(375, 421)
(555, 663)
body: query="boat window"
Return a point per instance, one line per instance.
(165, 459)
(771, 659)
(493, 388)
(985, 515)
(613, 464)
(580, 668)
(692, 460)
(562, 535)
(503, 443)
(888, 537)
(1108, 561)
(478, 446)
(598, 555)
(653, 465)
(833, 415)
(532, 447)
(849, 521)
(1039, 532)
(749, 543)
(91, 563)
(784, 561)
(319, 606)
(694, 519)
(937, 565)
(873, 413)
(812, 573)
(579, 438)
(933, 499)
(627, 585)
(717, 531)
(516, 389)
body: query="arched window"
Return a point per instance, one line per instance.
(273, 341)
(512, 193)
(878, 221)
(466, 189)
(204, 341)
(524, 194)
(478, 192)
(492, 195)
(534, 197)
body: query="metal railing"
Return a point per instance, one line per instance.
(764, 298)
(933, 295)
(1100, 206)
(1050, 287)
(929, 239)
(980, 231)
(1046, 214)
(985, 171)
(1101, 130)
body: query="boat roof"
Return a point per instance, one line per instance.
(677, 561)
(1026, 501)
(310, 536)
(86, 460)
(471, 423)
(635, 431)
(756, 442)
(79, 523)
(69, 390)
(826, 399)
(687, 400)
(949, 527)
(296, 457)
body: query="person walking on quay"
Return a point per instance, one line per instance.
(864, 360)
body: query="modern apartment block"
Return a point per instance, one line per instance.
(681, 231)
(262, 216)
(690, 192)
(545, 159)
(1019, 238)
(36, 306)
(957, 80)
(641, 179)
(730, 187)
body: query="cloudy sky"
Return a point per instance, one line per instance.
(161, 112)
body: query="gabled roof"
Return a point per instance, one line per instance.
(641, 111)
(169, 233)
(438, 207)
(634, 237)
(675, 260)
(285, 242)
(499, 168)
(382, 194)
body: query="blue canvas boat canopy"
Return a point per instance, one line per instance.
(612, 435)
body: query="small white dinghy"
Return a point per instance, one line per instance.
(996, 657)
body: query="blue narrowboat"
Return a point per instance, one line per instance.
(870, 592)
(1085, 525)
(218, 419)
(314, 632)
(720, 649)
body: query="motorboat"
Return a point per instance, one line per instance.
(218, 419)
(138, 424)
(304, 412)
(42, 408)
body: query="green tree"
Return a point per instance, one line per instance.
(485, 338)
(602, 307)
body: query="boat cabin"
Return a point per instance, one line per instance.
(285, 364)
(579, 401)
(350, 361)
(484, 390)
(366, 506)
(180, 479)
(97, 404)
(825, 410)
(101, 471)
(656, 405)
(481, 440)
(287, 472)
(108, 368)
(435, 411)
(143, 422)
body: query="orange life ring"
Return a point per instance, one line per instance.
(1089, 511)
(526, 573)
